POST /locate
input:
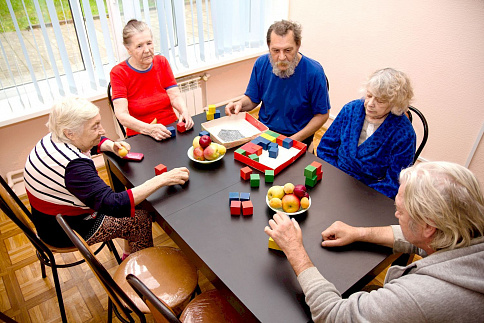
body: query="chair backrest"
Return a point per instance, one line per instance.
(115, 293)
(425, 129)
(160, 311)
(111, 104)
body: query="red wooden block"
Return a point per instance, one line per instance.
(318, 167)
(258, 150)
(320, 176)
(180, 127)
(160, 169)
(245, 173)
(235, 207)
(247, 208)
(247, 146)
(280, 139)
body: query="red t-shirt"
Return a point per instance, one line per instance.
(145, 91)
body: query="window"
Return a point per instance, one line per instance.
(51, 49)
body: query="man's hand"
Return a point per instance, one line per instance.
(233, 108)
(288, 236)
(340, 234)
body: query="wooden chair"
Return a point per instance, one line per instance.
(20, 215)
(425, 129)
(210, 306)
(111, 104)
(171, 275)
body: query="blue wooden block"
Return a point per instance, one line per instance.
(204, 133)
(172, 130)
(264, 143)
(244, 196)
(273, 145)
(234, 196)
(217, 114)
(287, 143)
(273, 152)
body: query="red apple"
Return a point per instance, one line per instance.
(290, 203)
(306, 194)
(198, 153)
(299, 190)
(205, 141)
(211, 152)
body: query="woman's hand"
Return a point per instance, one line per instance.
(185, 117)
(175, 176)
(157, 131)
(121, 148)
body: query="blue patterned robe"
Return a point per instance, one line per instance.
(377, 162)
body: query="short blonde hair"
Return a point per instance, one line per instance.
(448, 197)
(393, 86)
(70, 113)
(134, 27)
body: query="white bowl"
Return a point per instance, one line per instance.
(301, 210)
(190, 155)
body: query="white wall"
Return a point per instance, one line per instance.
(438, 43)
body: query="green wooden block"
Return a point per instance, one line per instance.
(269, 176)
(254, 157)
(311, 181)
(254, 180)
(241, 151)
(310, 171)
(272, 133)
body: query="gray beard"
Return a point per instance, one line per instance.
(288, 72)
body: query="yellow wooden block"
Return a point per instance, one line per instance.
(211, 108)
(268, 137)
(273, 244)
(209, 116)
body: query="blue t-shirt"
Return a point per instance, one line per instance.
(288, 104)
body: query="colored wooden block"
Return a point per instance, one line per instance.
(244, 196)
(272, 133)
(235, 207)
(269, 176)
(241, 151)
(273, 245)
(210, 116)
(180, 127)
(160, 169)
(287, 143)
(320, 176)
(211, 108)
(172, 130)
(268, 137)
(318, 167)
(273, 152)
(264, 143)
(247, 208)
(273, 145)
(280, 139)
(204, 133)
(216, 115)
(234, 196)
(245, 173)
(310, 171)
(311, 181)
(258, 150)
(254, 157)
(254, 180)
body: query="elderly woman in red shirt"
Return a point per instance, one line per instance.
(144, 88)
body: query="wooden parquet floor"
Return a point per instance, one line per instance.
(26, 297)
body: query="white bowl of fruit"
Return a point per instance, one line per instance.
(290, 199)
(204, 151)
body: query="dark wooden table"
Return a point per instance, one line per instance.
(231, 251)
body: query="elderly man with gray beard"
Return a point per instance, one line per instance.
(292, 87)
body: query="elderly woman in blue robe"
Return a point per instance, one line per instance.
(371, 139)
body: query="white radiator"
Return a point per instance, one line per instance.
(191, 91)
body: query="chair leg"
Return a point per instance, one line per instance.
(112, 248)
(42, 269)
(110, 310)
(58, 292)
